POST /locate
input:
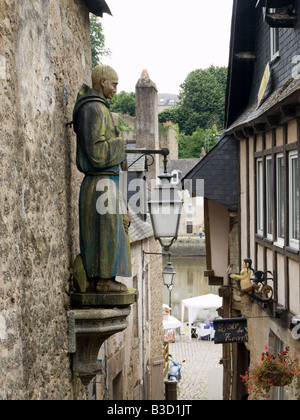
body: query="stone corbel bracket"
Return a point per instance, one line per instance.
(87, 331)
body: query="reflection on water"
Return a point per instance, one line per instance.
(189, 282)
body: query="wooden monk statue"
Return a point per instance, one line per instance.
(104, 240)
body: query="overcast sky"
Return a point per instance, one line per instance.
(169, 38)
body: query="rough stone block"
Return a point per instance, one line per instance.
(87, 331)
(119, 300)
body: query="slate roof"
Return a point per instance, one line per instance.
(168, 99)
(288, 93)
(248, 58)
(183, 165)
(97, 7)
(139, 230)
(220, 171)
(136, 162)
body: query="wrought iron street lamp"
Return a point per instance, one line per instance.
(165, 211)
(169, 274)
(165, 204)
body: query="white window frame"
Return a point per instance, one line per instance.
(190, 209)
(189, 225)
(259, 197)
(279, 200)
(175, 177)
(293, 198)
(269, 198)
(274, 40)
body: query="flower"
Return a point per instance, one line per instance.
(279, 370)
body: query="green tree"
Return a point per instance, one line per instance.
(124, 103)
(191, 146)
(97, 41)
(174, 114)
(202, 101)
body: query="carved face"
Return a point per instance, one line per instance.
(109, 86)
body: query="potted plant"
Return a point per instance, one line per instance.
(280, 370)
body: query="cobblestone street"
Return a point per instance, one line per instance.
(200, 357)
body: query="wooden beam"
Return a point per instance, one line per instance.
(259, 127)
(248, 131)
(245, 56)
(277, 20)
(277, 4)
(239, 135)
(272, 121)
(216, 281)
(209, 273)
(288, 111)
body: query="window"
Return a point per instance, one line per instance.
(189, 227)
(276, 346)
(294, 200)
(259, 197)
(269, 198)
(190, 209)
(274, 37)
(280, 199)
(175, 179)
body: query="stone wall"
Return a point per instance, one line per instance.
(127, 356)
(169, 138)
(44, 58)
(263, 331)
(189, 247)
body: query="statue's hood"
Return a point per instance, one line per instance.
(85, 95)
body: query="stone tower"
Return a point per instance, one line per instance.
(147, 135)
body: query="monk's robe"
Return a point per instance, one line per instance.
(104, 243)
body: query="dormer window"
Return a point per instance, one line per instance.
(274, 42)
(175, 177)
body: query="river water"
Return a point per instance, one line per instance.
(189, 282)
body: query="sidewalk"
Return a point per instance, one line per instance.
(200, 357)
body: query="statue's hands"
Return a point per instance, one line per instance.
(124, 165)
(233, 276)
(126, 222)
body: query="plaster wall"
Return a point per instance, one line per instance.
(264, 329)
(263, 257)
(219, 232)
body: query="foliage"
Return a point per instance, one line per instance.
(164, 128)
(174, 114)
(124, 127)
(123, 103)
(97, 41)
(191, 146)
(202, 101)
(273, 370)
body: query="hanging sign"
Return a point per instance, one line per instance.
(231, 330)
(264, 85)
